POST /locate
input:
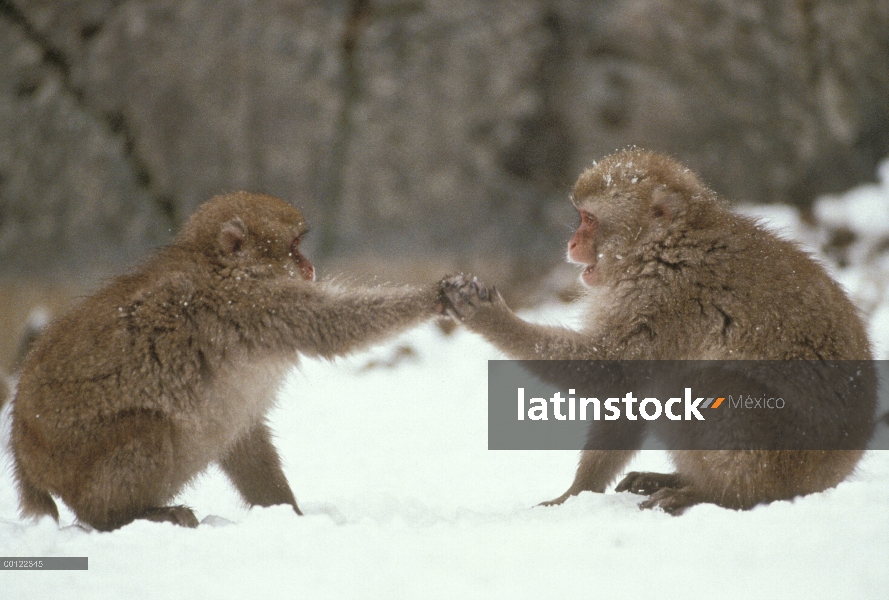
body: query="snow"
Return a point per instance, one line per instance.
(387, 453)
(864, 209)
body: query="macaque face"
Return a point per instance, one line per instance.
(253, 230)
(611, 229)
(615, 219)
(582, 246)
(279, 240)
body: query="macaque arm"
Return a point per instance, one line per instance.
(347, 320)
(254, 468)
(596, 470)
(482, 310)
(321, 320)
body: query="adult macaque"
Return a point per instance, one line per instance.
(129, 396)
(673, 274)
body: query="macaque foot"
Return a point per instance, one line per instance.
(646, 483)
(557, 501)
(463, 297)
(177, 515)
(671, 500)
(572, 491)
(665, 491)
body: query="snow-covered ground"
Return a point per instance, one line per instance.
(387, 453)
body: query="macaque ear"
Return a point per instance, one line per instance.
(232, 236)
(664, 204)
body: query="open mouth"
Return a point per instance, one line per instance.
(589, 275)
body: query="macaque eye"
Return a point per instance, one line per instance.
(587, 219)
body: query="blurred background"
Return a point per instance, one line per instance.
(419, 137)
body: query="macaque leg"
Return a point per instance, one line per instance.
(131, 476)
(177, 515)
(741, 479)
(767, 475)
(254, 468)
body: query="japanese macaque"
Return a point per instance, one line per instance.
(170, 368)
(673, 274)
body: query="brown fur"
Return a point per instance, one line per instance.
(4, 390)
(673, 274)
(129, 396)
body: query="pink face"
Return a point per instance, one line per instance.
(582, 247)
(306, 270)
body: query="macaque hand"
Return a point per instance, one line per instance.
(462, 297)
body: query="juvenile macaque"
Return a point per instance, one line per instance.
(673, 274)
(128, 397)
